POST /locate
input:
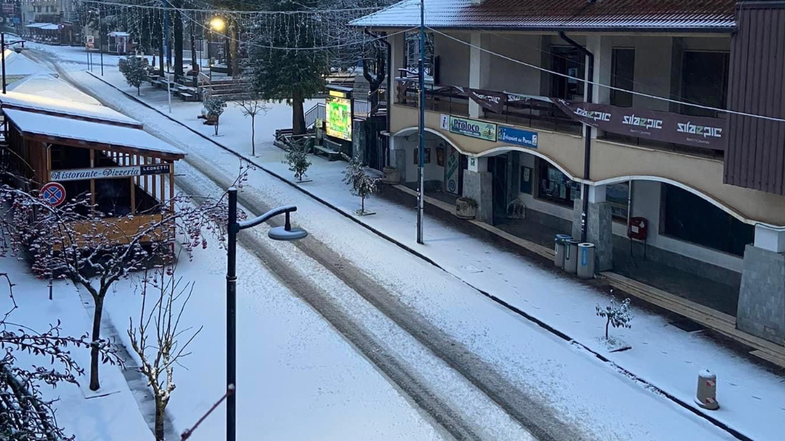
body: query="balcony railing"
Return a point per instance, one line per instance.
(452, 100)
(533, 112)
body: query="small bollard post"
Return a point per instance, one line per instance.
(706, 395)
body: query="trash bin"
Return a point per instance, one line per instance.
(559, 243)
(586, 260)
(571, 256)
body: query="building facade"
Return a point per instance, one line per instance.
(679, 194)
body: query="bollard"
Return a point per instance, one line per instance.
(559, 244)
(706, 396)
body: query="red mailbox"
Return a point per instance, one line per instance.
(638, 229)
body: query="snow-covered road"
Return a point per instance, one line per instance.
(472, 367)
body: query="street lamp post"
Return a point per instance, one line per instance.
(217, 24)
(285, 233)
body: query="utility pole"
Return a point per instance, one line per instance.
(2, 43)
(421, 180)
(101, 39)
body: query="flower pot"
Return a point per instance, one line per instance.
(465, 208)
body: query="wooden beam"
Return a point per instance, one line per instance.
(92, 181)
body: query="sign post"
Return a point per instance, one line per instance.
(53, 193)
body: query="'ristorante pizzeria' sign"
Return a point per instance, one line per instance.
(80, 174)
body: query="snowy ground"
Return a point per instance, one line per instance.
(570, 385)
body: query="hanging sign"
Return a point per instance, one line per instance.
(518, 136)
(488, 99)
(53, 193)
(696, 131)
(472, 128)
(452, 170)
(80, 174)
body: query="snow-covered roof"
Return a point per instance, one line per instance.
(36, 25)
(47, 84)
(20, 65)
(604, 15)
(65, 108)
(30, 122)
(118, 34)
(49, 27)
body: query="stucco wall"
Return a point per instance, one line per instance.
(454, 59)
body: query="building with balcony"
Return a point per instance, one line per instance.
(680, 195)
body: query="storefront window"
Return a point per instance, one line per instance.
(554, 185)
(617, 196)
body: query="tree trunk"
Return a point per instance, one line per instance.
(99, 310)
(362, 204)
(298, 117)
(608, 322)
(234, 47)
(161, 49)
(178, 42)
(216, 127)
(159, 420)
(253, 136)
(137, 89)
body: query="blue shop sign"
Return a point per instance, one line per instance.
(518, 136)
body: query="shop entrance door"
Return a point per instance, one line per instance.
(497, 165)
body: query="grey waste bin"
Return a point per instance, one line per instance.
(586, 260)
(558, 255)
(571, 256)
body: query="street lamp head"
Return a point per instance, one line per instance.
(217, 24)
(292, 234)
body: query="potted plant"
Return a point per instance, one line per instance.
(466, 208)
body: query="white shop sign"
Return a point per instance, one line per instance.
(80, 174)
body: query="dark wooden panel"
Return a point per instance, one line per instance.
(755, 155)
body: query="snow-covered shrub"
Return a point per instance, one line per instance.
(616, 314)
(134, 69)
(297, 158)
(361, 184)
(214, 107)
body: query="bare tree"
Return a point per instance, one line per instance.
(252, 106)
(159, 356)
(24, 413)
(77, 241)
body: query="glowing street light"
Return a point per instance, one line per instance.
(217, 24)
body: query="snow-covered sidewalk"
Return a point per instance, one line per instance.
(752, 398)
(110, 417)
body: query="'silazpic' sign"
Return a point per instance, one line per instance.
(81, 174)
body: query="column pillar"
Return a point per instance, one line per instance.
(599, 229)
(603, 63)
(761, 308)
(478, 185)
(479, 69)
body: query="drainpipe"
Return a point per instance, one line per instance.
(587, 134)
(390, 84)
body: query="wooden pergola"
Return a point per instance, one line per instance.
(93, 149)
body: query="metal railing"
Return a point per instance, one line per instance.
(316, 112)
(452, 100)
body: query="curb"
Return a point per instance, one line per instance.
(647, 384)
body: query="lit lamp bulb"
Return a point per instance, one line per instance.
(217, 24)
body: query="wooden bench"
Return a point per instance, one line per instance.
(186, 96)
(330, 154)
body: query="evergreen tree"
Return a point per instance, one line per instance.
(214, 107)
(362, 184)
(287, 74)
(134, 69)
(616, 314)
(297, 158)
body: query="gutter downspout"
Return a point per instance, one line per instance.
(390, 85)
(587, 134)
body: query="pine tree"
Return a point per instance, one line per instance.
(134, 69)
(362, 184)
(297, 158)
(287, 74)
